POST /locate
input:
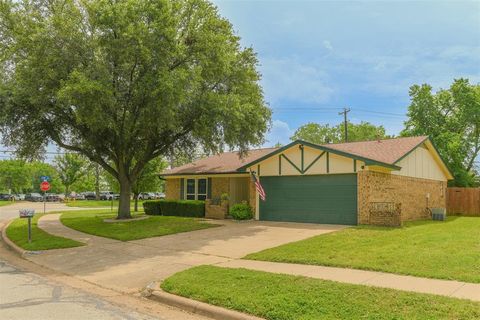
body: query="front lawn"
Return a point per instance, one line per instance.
(5, 203)
(276, 296)
(432, 249)
(17, 231)
(91, 222)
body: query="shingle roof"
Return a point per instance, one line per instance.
(386, 151)
(226, 162)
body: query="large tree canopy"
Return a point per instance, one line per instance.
(123, 82)
(70, 167)
(451, 118)
(321, 134)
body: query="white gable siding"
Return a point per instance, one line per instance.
(421, 164)
(337, 163)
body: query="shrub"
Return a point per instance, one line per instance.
(151, 207)
(179, 208)
(241, 211)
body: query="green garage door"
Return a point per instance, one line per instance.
(314, 199)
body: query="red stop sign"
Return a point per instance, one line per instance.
(45, 186)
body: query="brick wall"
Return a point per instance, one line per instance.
(220, 186)
(172, 189)
(409, 192)
(252, 197)
(213, 211)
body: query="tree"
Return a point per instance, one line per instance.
(323, 134)
(70, 167)
(451, 118)
(124, 82)
(39, 169)
(149, 180)
(15, 176)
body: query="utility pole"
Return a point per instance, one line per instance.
(345, 122)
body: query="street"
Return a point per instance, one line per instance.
(24, 295)
(29, 291)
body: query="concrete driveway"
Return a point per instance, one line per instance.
(130, 266)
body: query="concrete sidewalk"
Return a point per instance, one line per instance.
(130, 266)
(448, 288)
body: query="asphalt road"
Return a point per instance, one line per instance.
(24, 295)
(30, 292)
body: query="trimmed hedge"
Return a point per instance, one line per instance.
(179, 208)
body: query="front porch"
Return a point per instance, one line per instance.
(218, 191)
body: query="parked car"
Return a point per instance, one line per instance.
(77, 196)
(20, 197)
(89, 195)
(107, 195)
(6, 196)
(15, 197)
(52, 197)
(160, 195)
(34, 197)
(147, 196)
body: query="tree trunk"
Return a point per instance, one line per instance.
(124, 203)
(97, 181)
(135, 197)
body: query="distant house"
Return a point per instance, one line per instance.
(370, 182)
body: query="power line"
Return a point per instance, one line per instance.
(47, 152)
(332, 109)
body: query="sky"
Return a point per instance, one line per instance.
(317, 57)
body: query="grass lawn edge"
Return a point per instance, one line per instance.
(91, 222)
(279, 296)
(417, 251)
(15, 234)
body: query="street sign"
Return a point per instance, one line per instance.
(45, 186)
(45, 178)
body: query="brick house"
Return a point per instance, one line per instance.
(381, 182)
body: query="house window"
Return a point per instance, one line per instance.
(202, 189)
(196, 189)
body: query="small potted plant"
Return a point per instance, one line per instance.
(224, 200)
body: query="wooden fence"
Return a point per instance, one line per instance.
(464, 201)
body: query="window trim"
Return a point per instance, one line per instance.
(195, 194)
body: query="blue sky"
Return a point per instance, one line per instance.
(324, 55)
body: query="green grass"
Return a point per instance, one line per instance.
(444, 250)
(17, 231)
(91, 222)
(5, 203)
(99, 204)
(276, 296)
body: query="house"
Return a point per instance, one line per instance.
(384, 182)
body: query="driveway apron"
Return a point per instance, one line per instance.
(130, 266)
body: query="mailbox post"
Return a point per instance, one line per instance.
(28, 214)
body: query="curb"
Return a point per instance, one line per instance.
(9, 242)
(194, 306)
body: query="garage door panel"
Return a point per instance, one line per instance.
(315, 199)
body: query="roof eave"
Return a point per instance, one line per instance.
(367, 161)
(197, 173)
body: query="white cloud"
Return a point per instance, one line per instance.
(280, 132)
(288, 80)
(327, 45)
